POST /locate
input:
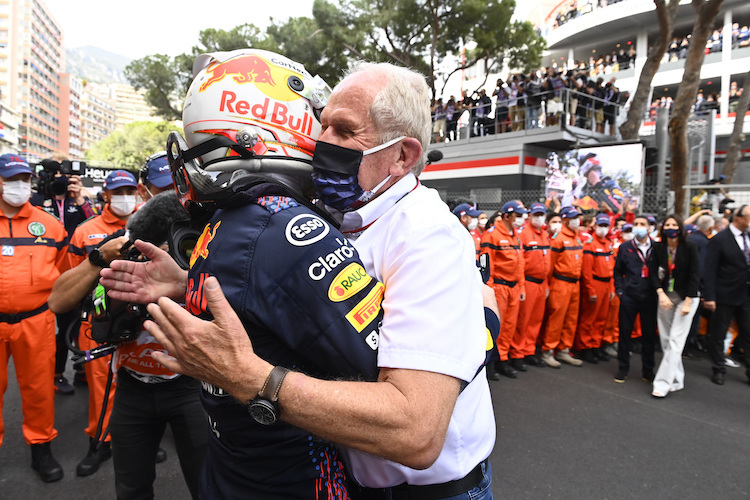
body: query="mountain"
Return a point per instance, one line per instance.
(96, 65)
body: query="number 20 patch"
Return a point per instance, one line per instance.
(8, 251)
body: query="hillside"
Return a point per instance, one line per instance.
(96, 65)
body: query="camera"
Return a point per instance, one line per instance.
(113, 321)
(68, 167)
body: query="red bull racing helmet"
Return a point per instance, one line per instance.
(248, 113)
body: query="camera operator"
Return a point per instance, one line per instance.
(149, 395)
(119, 194)
(62, 196)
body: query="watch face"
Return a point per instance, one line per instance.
(262, 411)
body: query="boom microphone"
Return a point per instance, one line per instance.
(434, 156)
(153, 221)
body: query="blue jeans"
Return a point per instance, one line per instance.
(482, 491)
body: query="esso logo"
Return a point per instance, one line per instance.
(306, 229)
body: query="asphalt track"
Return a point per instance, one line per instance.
(570, 433)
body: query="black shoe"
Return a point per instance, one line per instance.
(161, 455)
(63, 387)
(534, 361)
(518, 364)
(79, 379)
(94, 457)
(717, 378)
(603, 356)
(504, 368)
(492, 373)
(621, 376)
(648, 377)
(589, 356)
(44, 463)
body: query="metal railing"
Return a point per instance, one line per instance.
(549, 109)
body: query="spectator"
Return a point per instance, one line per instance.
(469, 104)
(564, 295)
(501, 107)
(596, 292)
(502, 244)
(554, 224)
(484, 120)
(637, 296)
(675, 274)
(452, 113)
(439, 125)
(726, 279)
(28, 270)
(537, 264)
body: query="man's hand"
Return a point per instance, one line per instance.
(685, 309)
(664, 302)
(709, 305)
(144, 282)
(74, 189)
(218, 352)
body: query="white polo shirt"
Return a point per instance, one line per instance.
(433, 320)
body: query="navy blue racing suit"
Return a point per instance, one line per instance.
(307, 304)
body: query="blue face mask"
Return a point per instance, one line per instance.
(335, 175)
(671, 233)
(640, 232)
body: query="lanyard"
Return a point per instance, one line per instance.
(640, 254)
(671, 258)
(61, 210)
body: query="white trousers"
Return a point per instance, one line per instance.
(673, 332)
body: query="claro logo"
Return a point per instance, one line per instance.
(331, 261)
(306, 229)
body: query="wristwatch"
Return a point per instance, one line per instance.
(264, 407)
(96, 258)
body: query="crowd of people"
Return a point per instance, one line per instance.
(530, 101)
(573, 9)
(306, 315)
(613, 283)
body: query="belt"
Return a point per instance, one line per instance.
(498, 281)
(428, 492)
(565, 278)
(534, 280)
(18, 317)
(602, 279)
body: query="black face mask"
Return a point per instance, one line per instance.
(335, 174)
(59, 186)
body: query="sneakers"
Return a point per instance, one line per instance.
(550, 360)
(731, 363)
(44, 463)
(621, 376)
(611, 349)
(63, 387)
(94, 457)
(565, 356)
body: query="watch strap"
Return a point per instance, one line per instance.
(272, 385)
(96, 258)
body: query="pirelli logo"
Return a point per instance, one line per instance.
(367, 309)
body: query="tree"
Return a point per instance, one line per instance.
(665, 13)
(706, 11)
(164, 81)
(422, 34)
(129, 148)
(734, 153)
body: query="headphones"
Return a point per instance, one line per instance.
(143, 173)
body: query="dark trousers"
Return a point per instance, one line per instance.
(717, 331)
(65, 322)
(139, 416)
(629, 308)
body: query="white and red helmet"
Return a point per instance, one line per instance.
(247, 111)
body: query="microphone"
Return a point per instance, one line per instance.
(153, 221)
(434, 156)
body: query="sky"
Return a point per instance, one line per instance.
(137, 28)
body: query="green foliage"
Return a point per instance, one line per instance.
(129, 148)
(421, 34)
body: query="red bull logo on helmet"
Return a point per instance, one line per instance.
(243, 69)
(278, 114)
